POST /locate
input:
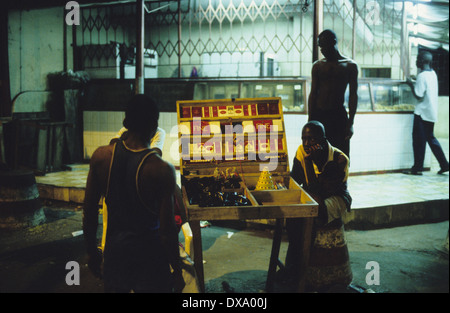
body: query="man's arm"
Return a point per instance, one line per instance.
(335, 181)
(90, 211)
(312, 99)
(352, 99)
(168, 229)
(415, 88)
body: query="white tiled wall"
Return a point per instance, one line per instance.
(168, 122)
(294, 124)
(99, 129)
(381, 142)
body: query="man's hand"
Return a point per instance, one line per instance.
(349, 131)
(410, 81)
(310, 150)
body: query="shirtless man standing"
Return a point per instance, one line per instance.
(330, 77)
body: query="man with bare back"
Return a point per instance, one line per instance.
(141, 239)
(330, 78)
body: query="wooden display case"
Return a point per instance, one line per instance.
(237, 139)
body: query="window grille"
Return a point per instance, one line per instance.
(238, 38)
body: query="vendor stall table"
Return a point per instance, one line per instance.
(234, 166)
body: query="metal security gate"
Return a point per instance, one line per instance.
(240, 38)
(211, 33)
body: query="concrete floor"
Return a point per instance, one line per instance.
(410, 258)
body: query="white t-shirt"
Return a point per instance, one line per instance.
(427, 86)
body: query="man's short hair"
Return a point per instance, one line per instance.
(328, 35)
(141, 114)
(317, 128)
(426, 57)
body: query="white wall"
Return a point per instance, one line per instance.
(381, 142)
(101, 127)
(35, 46)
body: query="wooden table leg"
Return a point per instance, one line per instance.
(274, 255)
(198, 253)
(307, 230)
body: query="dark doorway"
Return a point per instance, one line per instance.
(440, 65)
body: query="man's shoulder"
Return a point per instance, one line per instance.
(157, 165)
(320, 62)
(425, 74)
(423, 77)
(102, 153)
(350, 63)
(325, 63)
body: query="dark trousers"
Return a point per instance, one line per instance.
(423, 132)
(335, 123)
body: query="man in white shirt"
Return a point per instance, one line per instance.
(425, 115)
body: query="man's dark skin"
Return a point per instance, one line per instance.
(330, 77)
(157, 185)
